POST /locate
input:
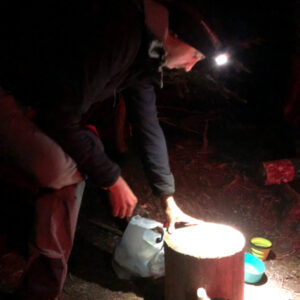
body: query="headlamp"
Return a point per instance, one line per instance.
(189, 26)
(221, 59)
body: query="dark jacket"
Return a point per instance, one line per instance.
(61, 58)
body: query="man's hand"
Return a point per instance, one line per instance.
(174, 214)
(122, 199)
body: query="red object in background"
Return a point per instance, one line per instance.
(279, 171)
(92, 128)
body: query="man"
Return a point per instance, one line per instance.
(60, 59)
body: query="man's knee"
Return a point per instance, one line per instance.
(56, 219)
(57, 173)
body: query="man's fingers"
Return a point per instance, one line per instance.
(115, 210)
(123, 212)
(171, 227)
(130, 210)
(122, 199)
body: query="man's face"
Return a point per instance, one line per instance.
(181, 55)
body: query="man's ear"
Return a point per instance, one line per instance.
(171, 41)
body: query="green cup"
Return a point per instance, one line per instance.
(260, 247)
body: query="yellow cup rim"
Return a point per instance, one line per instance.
(261, 242)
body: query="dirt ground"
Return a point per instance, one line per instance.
(211, 167)
(212, 186)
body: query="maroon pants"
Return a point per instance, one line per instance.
(26, 148)
(55, 224)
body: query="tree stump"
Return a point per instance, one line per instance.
(209, 256)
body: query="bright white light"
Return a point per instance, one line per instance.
(206, 240)
(201, 294)
(222, 59)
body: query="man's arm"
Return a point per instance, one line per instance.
(87, 150)
(140, 101)
(141, 105)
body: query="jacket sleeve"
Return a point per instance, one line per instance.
(140, 102)
(83, 145)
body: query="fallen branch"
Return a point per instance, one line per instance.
(179, 127)
(106, 227)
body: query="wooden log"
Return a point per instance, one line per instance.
(275, 171)
(209, 256)
(283, 170)
(106, 227)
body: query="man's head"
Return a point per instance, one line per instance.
(185, 35)
(187, 38)
(180, 55)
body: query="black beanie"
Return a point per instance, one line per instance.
(189, 26)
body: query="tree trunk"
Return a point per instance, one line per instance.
(209, 256)
(120, 126)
